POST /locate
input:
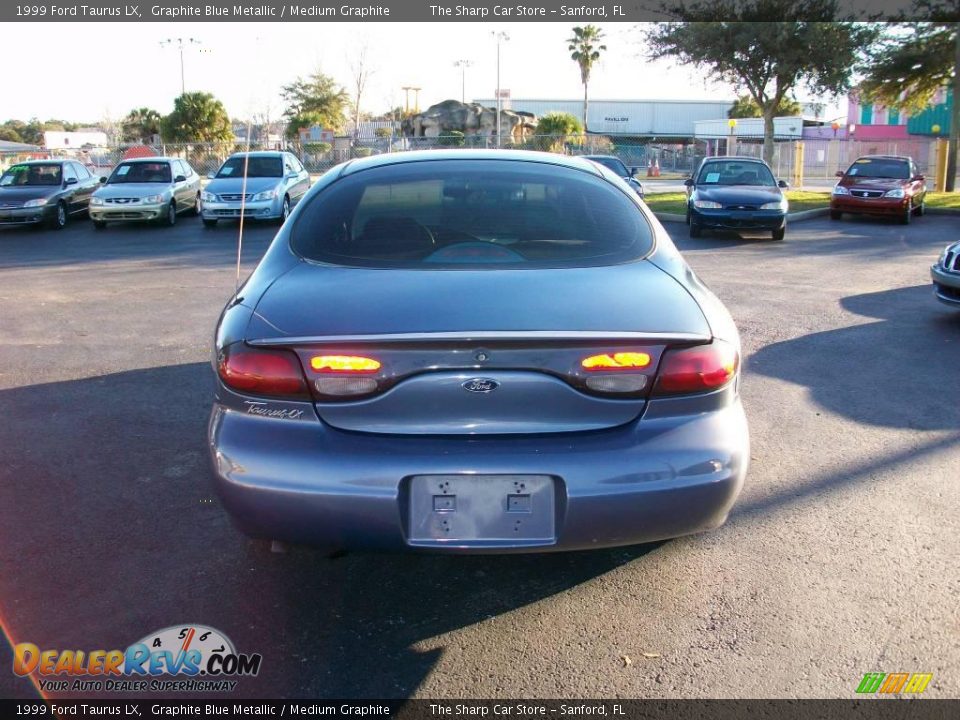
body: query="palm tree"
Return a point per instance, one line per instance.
(141, 125)
(585, 50)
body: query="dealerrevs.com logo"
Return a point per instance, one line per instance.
(202, 659)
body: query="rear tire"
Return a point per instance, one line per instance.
(197, 206)
(171, 218)
(60, 217)
(209, 222)
(779, 233)
(836, 215)
(921, 209)
(695, 229)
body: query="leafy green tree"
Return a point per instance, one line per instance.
(9, 133)
(30, 132)
(585, 48)
(452, 138)
(316, 100)
(141, 125)
(734, 42)
(912, 62)
(556, 130)
(197, 117)
(746, 107)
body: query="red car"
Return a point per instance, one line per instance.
(880, 185)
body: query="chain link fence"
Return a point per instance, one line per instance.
(821, 158)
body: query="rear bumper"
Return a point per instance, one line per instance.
(304, 482)
(739, 220)
(946, 286)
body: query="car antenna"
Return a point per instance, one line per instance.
(243, 201)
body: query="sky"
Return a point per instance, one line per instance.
(245, 64)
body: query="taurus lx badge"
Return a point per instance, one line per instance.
(480, 385)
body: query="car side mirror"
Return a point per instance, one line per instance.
(291, 175)
(70, 181)
(919, 178)
(180, 178)
(839, 173)
(688, 182)
(783, 184)
(211, 176)
(103, 180)
(634, 171)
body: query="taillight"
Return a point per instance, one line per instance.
(256, 371)
(344, 364)
(697, 369)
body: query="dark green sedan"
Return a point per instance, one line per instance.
(45, 192)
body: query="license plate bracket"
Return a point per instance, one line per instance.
(482, 510)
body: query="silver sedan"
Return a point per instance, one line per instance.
(260, 185)
(148, 189)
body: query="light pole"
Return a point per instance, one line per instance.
(181, 43)
(463, 65)
(500, 37)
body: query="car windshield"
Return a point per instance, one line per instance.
(141, 172)
(733, 172)
(880, 168)
(461, 214)
(614, 164)
(31, 176)
(256, 167)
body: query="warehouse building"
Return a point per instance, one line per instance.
(663, 119)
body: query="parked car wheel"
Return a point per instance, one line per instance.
(197, 206)
(59, 221)
(779, 233)
(284, 210)
(171, 219)
(695, 229)
(836, 215)
(921, 209)
(210, 222)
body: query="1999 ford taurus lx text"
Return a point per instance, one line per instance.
(475, 351)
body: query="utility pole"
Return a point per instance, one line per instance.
(463, 65)
(500, 37)
(416, 99)
(181, 43)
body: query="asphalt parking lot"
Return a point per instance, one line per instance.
(839, 559)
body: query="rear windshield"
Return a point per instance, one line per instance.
(880, 168)
(469, 213)
(257, 166)
(733, 172)
(141, 172)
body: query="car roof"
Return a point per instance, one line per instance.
(52, 161)
(884, 157)
(530, 156)
(155, 158)
(260, 153)
(735, 158)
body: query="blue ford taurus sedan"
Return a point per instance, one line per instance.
(475, 351)
(736, 193)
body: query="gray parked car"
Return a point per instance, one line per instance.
(275, 182)
(946, 276)
(475, 351)
(45, 191)
(146, 189)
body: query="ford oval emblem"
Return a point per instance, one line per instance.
(480, 385)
